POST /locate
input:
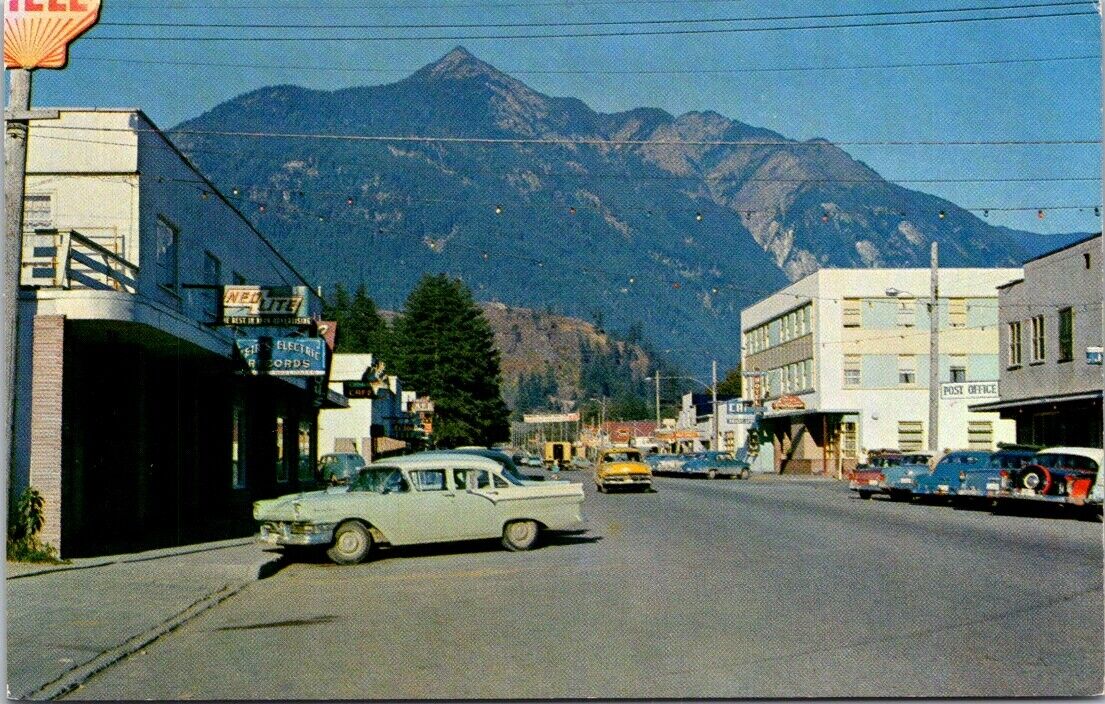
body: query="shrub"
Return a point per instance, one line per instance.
(25, 519)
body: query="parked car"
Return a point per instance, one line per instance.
(340, 467)
(867, 479)
(669, 464)
(944, 479)
(622, 468)
(423, 498)
(898, 480)
(716, 464)
(976, 483)
(1058, 474)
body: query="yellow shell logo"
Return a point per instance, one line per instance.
(37, 33)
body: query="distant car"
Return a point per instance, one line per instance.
(1058, 474)
(944, 479)
(898, 480)
(867, 480)
(667, 464)
(423, 498)
(510, 469)
(975, 484)
(716, 464)
(340, 467)
(622, 468)
(580, 462)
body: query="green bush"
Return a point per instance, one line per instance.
(26, 516)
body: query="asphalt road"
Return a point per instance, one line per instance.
(702, 589)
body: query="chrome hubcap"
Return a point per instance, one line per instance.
(349, 542)
(1032, 481)
(520, 532)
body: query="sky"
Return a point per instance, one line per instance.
(1044, 100)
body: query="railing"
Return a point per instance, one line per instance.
(67, 259)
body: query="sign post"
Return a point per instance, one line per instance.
(36, 35)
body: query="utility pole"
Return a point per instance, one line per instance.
(713, 390)
(657, 400)
(934, 350)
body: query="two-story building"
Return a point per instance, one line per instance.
(133, 418)
(1050, 350)
(838, 363)
(696, 413)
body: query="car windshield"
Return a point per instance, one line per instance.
(622, 457)
(380, 480)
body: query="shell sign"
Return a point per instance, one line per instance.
(37, 33)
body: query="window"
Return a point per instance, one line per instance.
(380, 480)
(852, 314)
(38, 211)
(464, 479)
(281, 460)
(980, 435)
(848, 439)
(306, 469)
(1066, 334)
(167, 254)
(500, 483)
(1038, 338)
(957, 312)
(237, 457)
(1015, 344)
(910, 435)
(428, 479)
(851, 370)
(958, 369)
(907, 369)
(907, 313)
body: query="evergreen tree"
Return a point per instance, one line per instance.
(731, 384)
(445, 349)
(360, 327)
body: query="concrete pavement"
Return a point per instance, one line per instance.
(702, 589)
(66, 622)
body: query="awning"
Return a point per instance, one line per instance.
(1036, 401)
(772, 415)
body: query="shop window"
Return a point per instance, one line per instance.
(237, 449)
(957, 312)
(306, 468)
(281, 459)
(851, 370)
(910, 435)
(852, 315)
(907, 313)
(1038, 347)
(907, 370)
(1066, 334)
(167, 254)
(1015, 344)
(848, 440)
(980, 435)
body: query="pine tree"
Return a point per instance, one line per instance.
(445, 349)
(731, 384)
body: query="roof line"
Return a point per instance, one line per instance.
(1084, 240)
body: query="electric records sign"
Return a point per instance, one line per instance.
(265, 305)
(37, 33)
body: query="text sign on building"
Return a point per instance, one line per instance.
(550, 417)
(265, 305)
(969, 389)
(37, 33)
(358, 389)
(283, 356)
(1093, 355)
(422, 405)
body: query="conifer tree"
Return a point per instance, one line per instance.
(445, 349)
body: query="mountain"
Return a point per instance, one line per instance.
(675, 237)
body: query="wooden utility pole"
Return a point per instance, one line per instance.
(713, 393)
(934, 350)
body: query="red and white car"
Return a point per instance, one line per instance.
(1069, 475)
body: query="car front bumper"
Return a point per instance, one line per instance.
(285, 533)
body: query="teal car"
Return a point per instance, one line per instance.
(949, 472)
(898, 481)
(424, 498)
(716, 464)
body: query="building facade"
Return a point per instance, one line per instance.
(838, 364)
(1051, 341)
(133, 418)
(696, 414)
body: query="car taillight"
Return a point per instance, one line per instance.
(880, 477)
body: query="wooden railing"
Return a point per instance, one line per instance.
(67, 259)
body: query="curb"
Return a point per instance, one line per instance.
(77, 676)
(161, 554)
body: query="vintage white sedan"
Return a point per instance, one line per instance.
(423, 498)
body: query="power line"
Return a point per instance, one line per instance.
(613, 72)
(557, 141)
(594, 23)
(589, 35)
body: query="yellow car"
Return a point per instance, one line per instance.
(622, 468)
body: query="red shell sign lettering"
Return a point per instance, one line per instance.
(37, 33)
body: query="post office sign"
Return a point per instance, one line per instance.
(265, 305)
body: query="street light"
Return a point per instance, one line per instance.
(934, 346)
(713, 391)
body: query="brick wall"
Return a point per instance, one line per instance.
(47, 376)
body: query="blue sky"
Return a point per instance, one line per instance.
(1050, 100)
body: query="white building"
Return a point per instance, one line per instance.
(845, 364)
(129, 398)
(697, 416)
(377, 421)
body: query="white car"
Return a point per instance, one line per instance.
(423, 498)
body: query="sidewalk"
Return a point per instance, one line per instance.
(67, 622)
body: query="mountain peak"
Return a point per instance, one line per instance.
(459, 63)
